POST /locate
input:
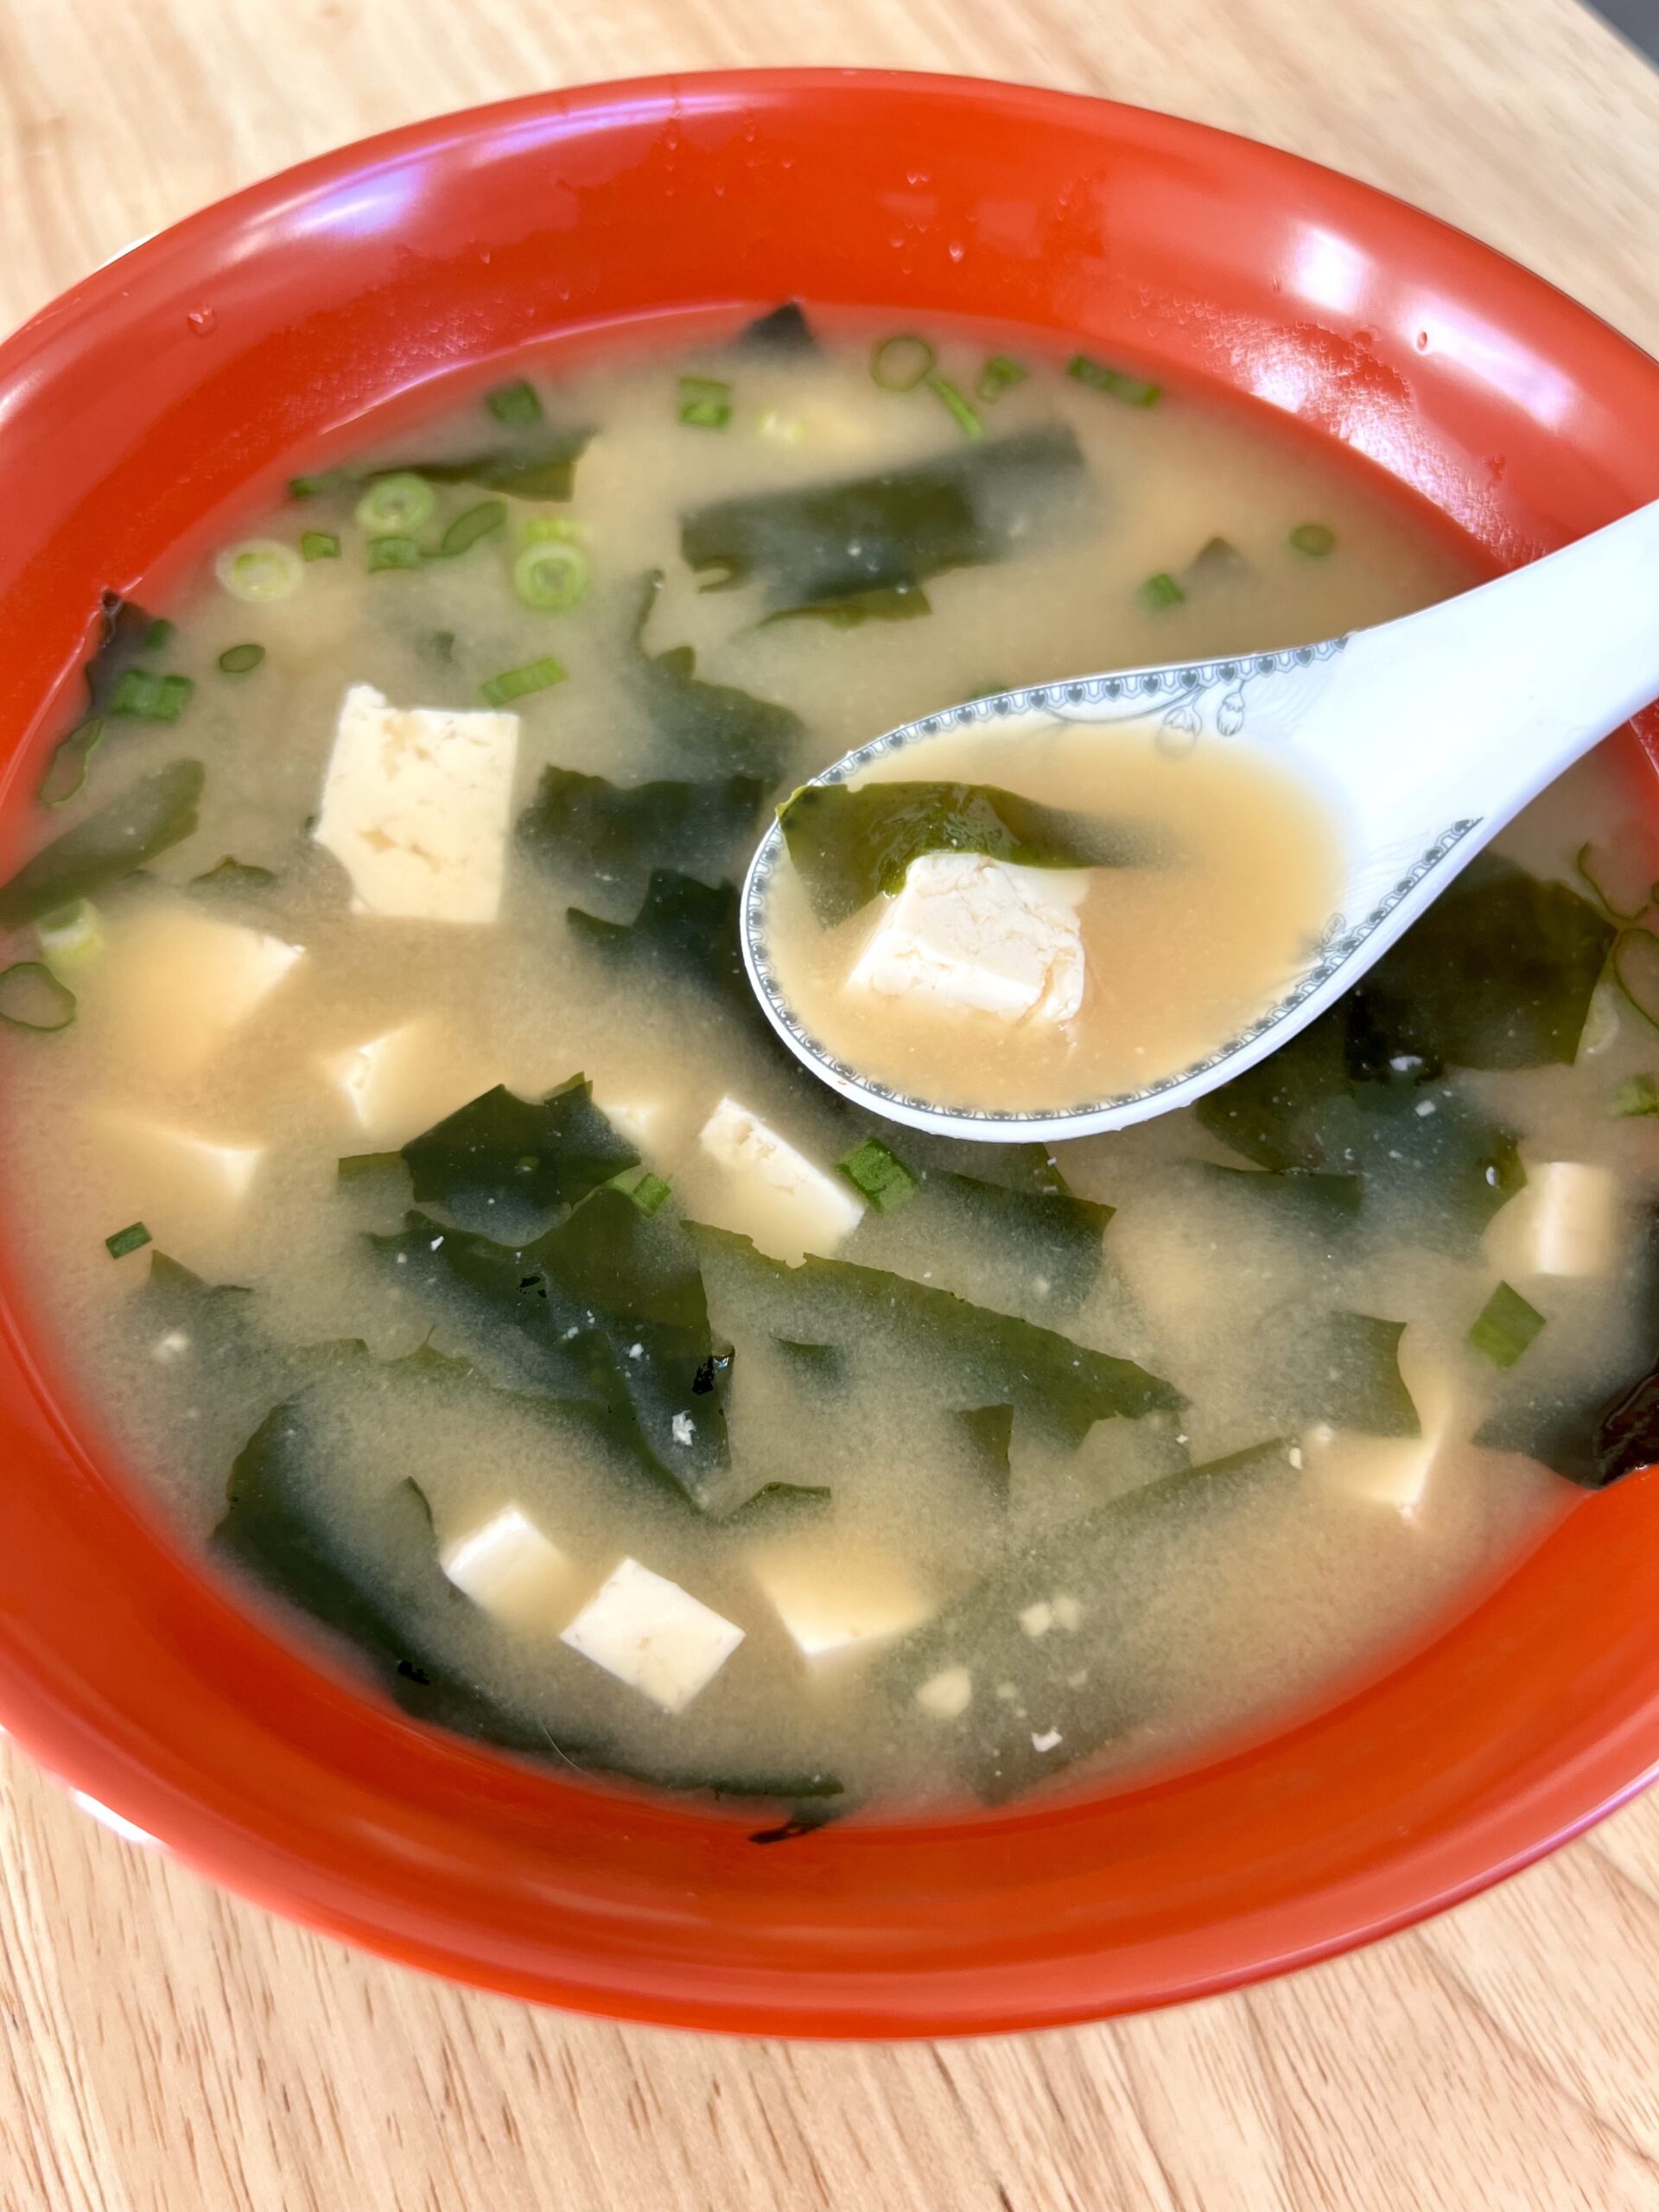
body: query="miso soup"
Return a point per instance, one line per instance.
(407, 1174)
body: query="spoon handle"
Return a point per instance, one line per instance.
(1470, 708)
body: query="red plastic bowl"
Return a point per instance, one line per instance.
(189, 371)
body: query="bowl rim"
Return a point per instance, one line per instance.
(68, 1734)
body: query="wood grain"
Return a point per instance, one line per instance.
(165, 2048)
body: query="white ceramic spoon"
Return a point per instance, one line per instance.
(1421, 738)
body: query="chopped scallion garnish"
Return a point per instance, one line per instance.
(1317, 538)
(477, 522)
(32, 997)
(71, 936)
(1000, 374)
(648, 1192)
(1637, 1093)
(514, 402)
(240, 660)
(324, 480)
(397, 505)
(550, 575)
(159, 635)
(879, 1175)
(518, 683)
(705, 403)
(132, 1238)
(259, 569)
(1100, 375)
(1160, 590)
(1505, 1327)
(957, 407)
(899, 362)
(319, 545)
(393, 553)
(151, 698)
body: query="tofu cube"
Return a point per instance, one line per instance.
(1566, 1222)
(946, 1695)
(400, 1083)
(510, 1568)
(653, 1635)
(981, 935)
(829, 1599)
(770, 1192)
(182, 983)
(416, 806)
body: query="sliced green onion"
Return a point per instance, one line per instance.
(259, 569)
(1000, 374)
(705, 403)
(324, 480)
(551, 574)
(648, 1191)
(879, 1175)
(397, 505)
(518, 683)
(393, 553)
(1505, 1327)
(31, 997)
(159, 635)
(1160, 590)
(65, 772)
(1317, 538)
(467, 529)
(899, 362)
(514, 402)
(1637, 1093)
(70, 936)
(1635, 963)
(150, 698)
(319, 545)
(132, 1238)
(1100, 375)
(957, 407)
(239, 660)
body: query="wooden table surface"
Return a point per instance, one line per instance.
(165, 2048)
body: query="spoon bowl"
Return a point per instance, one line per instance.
(1419, 739)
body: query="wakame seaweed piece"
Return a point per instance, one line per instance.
(126, 633)
(616, 833)
(684, 929)
(785, 330)
(900, 526)
(989, 1430)
(606, 1308)
(1078, 1684)
(775, 1500)
(850, 843)
(714, 727)
(1330, 1103)
(232, 875)
(992, 1357)
(273, 1531)
(541, 467)
(517, 1154)
(892, 603)
(1496, 973)
(1321, 1364)
(817, 1363)
(1297, 1194)
(158, 811)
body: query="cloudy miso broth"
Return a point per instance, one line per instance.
(421, 1204)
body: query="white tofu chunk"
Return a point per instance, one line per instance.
(828, 1599)
(653, 1635)
(971, 932)
(1395, 1471)
(946, 1695)
(773, 1193)
(510, 1568)
(175, 1172)
(1566, 1222)
(416, 806)
(182, 983)
(400, 1083)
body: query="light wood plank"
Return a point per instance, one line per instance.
(164, 2049)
